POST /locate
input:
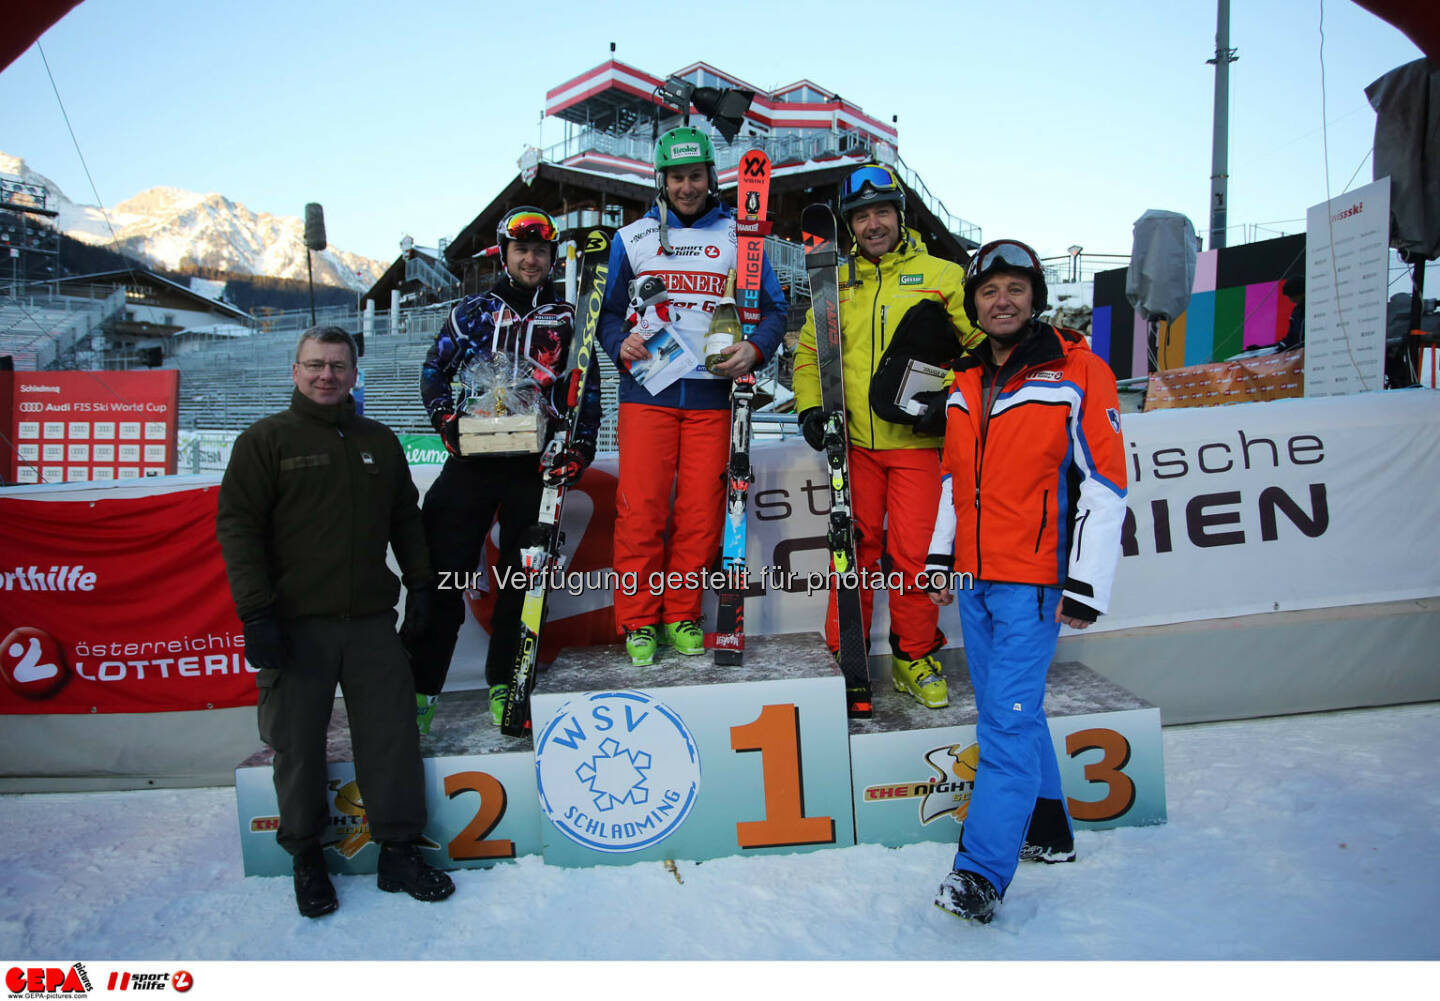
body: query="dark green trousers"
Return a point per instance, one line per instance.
(364, 657)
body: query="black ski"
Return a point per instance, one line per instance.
(541, 556)
(821, 261)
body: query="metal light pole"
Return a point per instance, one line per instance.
(1224, 56)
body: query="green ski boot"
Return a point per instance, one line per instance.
(640, 645)
(425, 712)
(685, 636)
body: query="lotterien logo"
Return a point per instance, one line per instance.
(617, 771)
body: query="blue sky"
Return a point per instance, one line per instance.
(1057, 123)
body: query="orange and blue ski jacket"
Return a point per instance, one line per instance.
(1033, 488)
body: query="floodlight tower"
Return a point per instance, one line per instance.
(1224, 56)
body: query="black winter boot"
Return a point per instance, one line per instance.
(403, 868)
(314, 894)
(968, 895)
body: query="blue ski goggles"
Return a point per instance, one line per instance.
(873, 176)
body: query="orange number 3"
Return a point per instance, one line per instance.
(1115, 756)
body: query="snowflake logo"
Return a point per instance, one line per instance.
(616, 775)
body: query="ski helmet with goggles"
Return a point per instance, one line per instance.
(526, 223)
(1005, 256)
(870, 185)
(681, 147)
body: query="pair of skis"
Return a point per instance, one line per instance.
(753, 193)
(821, 261)
(541, 556)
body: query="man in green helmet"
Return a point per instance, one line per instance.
(677, 440)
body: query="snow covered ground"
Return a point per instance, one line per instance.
(1296, 838)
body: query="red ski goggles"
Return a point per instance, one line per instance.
(531, 226)
(874, 176)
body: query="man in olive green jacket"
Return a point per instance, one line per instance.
(309, 502)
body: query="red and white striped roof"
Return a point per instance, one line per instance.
(614, 80)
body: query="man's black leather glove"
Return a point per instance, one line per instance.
(419, 610)
(812, 426)
(932, 419)
(265, 643)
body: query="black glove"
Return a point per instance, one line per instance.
(565, 392)
(812, 426)
(419, 611)
(265, 643)
(932, 418)
(567, 466)
(449, 427)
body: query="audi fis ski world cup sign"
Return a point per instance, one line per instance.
(617, 771)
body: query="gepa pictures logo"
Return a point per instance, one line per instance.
(47, 981)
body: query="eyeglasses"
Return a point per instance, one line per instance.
(878, 178)
(1002, 253)
(315, 367)
(530, 226)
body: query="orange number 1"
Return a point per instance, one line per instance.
(775, 733)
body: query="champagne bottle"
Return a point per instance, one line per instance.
(724, 326)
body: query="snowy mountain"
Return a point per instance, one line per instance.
(178, 230)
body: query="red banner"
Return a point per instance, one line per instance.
(117, 606)
(72, 427)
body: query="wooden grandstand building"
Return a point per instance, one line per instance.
(601, 173)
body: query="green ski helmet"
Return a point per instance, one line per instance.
(681, 147)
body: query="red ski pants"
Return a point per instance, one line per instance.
(663, 448)
(903, 484)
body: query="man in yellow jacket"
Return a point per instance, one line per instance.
(894, 467)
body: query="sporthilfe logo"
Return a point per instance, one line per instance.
(617, 771)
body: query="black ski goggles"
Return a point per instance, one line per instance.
(873, 176)
(1002, 254)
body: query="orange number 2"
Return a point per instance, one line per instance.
(470, 843)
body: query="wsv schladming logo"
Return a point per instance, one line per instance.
(617, 771)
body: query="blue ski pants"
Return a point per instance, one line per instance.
(1010, 634)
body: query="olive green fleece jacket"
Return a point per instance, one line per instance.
(309, 501)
